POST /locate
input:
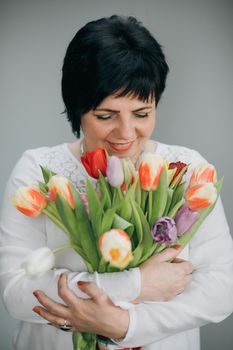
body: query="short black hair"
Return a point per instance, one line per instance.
(107, 56)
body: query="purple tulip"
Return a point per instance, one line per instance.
(114, 171)
(164, 231)
(185, 218)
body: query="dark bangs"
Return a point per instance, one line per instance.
(131, 75)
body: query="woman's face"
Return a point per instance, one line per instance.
(121, 125)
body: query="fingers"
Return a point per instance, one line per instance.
(52, 306)
(188, 280)
(93, 291)
(66, 294)
(178, 260)
(168, 254)
(187, 267)
(55, 320)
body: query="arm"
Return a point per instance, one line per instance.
(207, 299)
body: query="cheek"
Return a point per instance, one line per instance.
(147, 127)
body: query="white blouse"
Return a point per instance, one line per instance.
(155, 325)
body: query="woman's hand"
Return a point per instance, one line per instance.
(162, 280)
(96, 315)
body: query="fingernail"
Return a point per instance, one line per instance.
(36, 294)
(81, 283)
(177, 247)
(35, 309)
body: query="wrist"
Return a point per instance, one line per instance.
(119, 323)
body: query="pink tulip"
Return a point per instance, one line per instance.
(185, 219)
(114, 171)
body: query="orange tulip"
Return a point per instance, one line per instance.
(202, 174)
(201, 196)
(59, 184)
(150, 169)
(29, 201)
(115, 246)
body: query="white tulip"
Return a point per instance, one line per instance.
(38, 262)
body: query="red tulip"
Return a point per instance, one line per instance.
(29, 201)
(95, 161)
(177, 167)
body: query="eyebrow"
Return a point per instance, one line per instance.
(115, 111)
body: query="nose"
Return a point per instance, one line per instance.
(125, 129)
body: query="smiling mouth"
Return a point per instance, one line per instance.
(120, 146)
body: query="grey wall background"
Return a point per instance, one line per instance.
(196, 109)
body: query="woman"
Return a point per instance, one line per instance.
(114, 74)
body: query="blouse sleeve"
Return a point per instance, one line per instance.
(20, 235)
(207, 299)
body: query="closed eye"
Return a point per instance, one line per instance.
(141, 115)
(103, 117)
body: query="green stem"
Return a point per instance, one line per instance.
(65, 246)
(120, 192)
(150, 206)
(56, 221)
(143, 199)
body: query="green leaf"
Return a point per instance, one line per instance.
(107, 220)
(144, 195)
(125, 210)
(203, 214)
(178, 177)
(169, 200)
(97, 222)
(119, 222)
(117, 197)
(84, 232)
(138, 191)
(84, 341)
(68, 218)
(47, 174)
(105, 192)
(55, 218)
(138, 251)
(95, 208)
(177, 195)
(147, 243)
(43, 187)
(174, 210)
(159, 199)
(102, 265)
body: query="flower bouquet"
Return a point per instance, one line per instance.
(127, 214)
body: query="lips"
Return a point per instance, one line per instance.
(120, 147)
